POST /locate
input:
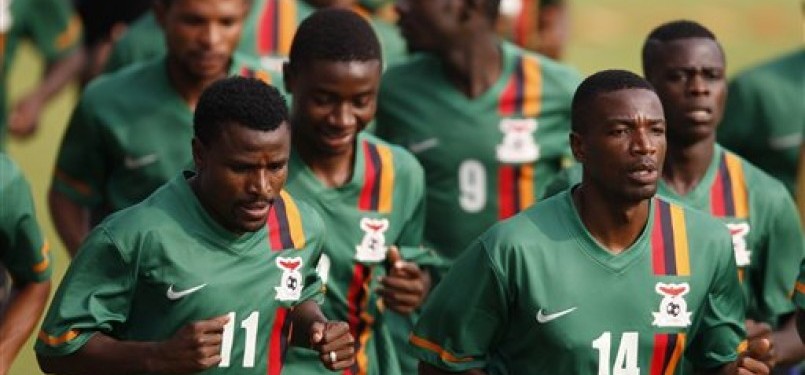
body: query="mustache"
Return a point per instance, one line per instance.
(644, 164)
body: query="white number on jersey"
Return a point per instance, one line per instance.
(250, 325)
(472, 185)
(625, 361)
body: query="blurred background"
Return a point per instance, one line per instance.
(604, 34)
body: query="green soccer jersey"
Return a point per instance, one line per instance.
(765, 117)
(382, 205)
(129, 134)
(762, 219)
(51, 25)
(799, 289)
(23, 251)
(537, 294)
(485, 158)
(151, 269)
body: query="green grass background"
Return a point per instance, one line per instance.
(605, 34)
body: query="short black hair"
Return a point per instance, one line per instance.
(247, 102)
(492, 8)
(671, 31)
(334, 34)
(601, 83)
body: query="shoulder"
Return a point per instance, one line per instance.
(532, 230)
(555, 75)
(701, 227)
(312, 222)
(146, 219)
(418, 65)
(761, 186)
(124, 84)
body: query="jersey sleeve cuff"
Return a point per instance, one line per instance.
(440, 357)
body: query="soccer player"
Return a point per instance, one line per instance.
(26, 258)
(537, 25)
(604, 278)
(487, 120)
(369, 193)
(207, 273)
(119, 148)
(55, 32)
(764, 119)
(686, 65)
(267, 34)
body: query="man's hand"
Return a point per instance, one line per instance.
(194, 348)
(24, 117)
(753, 360)
(405, 286)
(335, 344)
(756, 331)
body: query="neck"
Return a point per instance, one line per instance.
(685, 166)
(188, 85)
(474, 65)
(614, 224)
(333, 170)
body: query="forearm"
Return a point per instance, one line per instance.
(427, 369)
(104, 355)
(20, 319)
(70, 219)
(58, 75)
(787, 343)
(302, 317)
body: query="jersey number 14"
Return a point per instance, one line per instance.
(625, 360)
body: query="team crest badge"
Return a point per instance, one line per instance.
(373, 245)
(518, 144)
(290, 288)
(738, 231)
(673, 308)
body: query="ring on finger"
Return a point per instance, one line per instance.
(333, 357)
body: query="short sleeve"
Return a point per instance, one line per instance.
(94, 296)
(721, 328)
(22, 249)
(410, 241)
(799, 289)
(54, 27)
(81, 166)
(313, 286)
(478, 314)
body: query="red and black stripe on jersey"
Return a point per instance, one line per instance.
(276, 27)
(669, 240)
(285, 232)
(728, 197)
(522, 98)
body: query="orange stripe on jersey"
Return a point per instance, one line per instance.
(669, 241)
(526, 186)
(377, 193)
(386, 198)
(676, 355)
(43, 265)
(681, 257)
(79, 186)
(258, 74)
(294, 221)
(443, 354)
(357, 302)
(70, 35)
(285, 230)
(515, 189)
(532, 90)
(287, 26)
(361, 357)
(800, 287)
(728, 196)
(278, 342)
(57, 340)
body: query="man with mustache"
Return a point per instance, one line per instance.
(210, 273)
(602, 278)
(124, 137)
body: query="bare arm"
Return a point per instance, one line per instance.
(427, 369)
(24, 117)
(71, 220)
(194, 348)
(20, 319)
(786, 343)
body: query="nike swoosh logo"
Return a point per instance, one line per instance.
(545, 318)
(137, 163)
(174, 295)
(422, 146)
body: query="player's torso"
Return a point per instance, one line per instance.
(484, 158)
(185, 279)
(581, 310)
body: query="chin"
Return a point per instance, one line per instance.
(640, 193)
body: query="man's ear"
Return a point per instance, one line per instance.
(577, 146)
(199, 153)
